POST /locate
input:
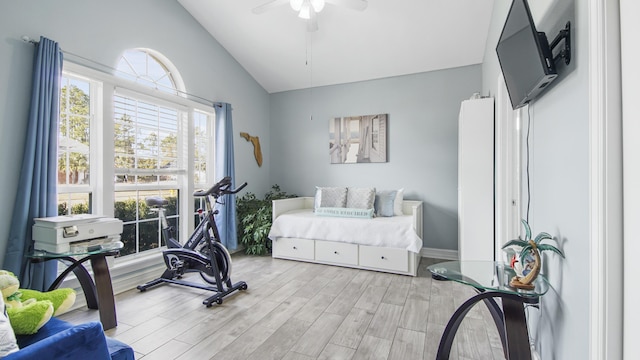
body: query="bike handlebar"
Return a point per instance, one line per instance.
(220, 188)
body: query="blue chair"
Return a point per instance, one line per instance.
(58, 339)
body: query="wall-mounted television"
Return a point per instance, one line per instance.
(524, 55)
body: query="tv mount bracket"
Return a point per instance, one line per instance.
(566, 52)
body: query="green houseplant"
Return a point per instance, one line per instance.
(530, 256)
(254, 219)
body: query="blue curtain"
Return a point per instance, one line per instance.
(36, 193)
(224, 166)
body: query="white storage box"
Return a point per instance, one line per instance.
(60, 233)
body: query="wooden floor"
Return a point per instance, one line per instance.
(296, 310)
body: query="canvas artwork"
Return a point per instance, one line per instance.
(358, 139)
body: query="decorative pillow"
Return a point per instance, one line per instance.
(397, 203)
(361, 198)
(345, 212)
(330, 197)
(8, 343)
(385, 201)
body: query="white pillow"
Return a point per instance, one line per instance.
(8, 343)
(330, 197)
(397, 203)
(361, 198)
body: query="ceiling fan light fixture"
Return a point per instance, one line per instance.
(318, 5)
(296, 5)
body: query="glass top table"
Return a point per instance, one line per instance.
(99, 294)
(114, 246)
(491, 279)
(485, 276)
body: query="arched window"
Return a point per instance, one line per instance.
(146, 67)
(160, 140)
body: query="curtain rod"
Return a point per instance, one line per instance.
(208, 102)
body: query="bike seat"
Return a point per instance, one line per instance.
(156, 201)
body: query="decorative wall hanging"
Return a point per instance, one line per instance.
(358, 139)
(257, 152)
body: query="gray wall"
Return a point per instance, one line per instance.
(422, 147)
(559, 153)
(102, 31)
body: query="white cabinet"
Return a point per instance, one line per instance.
(476, 180)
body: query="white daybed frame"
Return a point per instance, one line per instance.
(392, 260)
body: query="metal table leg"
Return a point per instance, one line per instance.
(510, 322)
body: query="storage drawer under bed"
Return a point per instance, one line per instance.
(337, 252)
(384, 258)
(294, 248)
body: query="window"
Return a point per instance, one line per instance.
(111, 160)
(202, 124)
(74, 145)
(146, 161)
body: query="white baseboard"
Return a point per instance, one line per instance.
(439, 253)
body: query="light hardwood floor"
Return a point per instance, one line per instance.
(296, 310)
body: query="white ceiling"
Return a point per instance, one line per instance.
(389, 38)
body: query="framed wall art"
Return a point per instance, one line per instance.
(358, 139)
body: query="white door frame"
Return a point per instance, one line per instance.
(507, 169)
(630, 54)
(605, 180)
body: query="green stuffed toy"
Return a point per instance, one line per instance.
(62, 299)
(29, 310)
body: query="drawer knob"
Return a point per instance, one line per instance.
(335, 252)
(295, 248)
(382, 257)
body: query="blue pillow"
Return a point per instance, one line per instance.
(384, 202)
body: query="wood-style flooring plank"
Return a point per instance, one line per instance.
(168, 351)
(312, 310)
(281, 341)
(336, 352)
(372, 348)
(407, 344)
(371, 298)
(415, 315)
(385, 321)
(352, 329)
(302, 311)
(318, 335)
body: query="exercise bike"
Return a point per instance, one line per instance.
(202, 252)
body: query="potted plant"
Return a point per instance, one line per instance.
(254, 219)
(529, 258)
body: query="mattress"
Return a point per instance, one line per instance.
(391, 232)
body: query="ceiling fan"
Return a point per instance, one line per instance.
(309, 9)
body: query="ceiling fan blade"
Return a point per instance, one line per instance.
(268, 6)
(359, 5)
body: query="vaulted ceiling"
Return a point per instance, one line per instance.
(388, 38)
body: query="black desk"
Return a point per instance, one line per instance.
(99, 295)
(491, 280)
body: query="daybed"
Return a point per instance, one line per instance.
(388, 244)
